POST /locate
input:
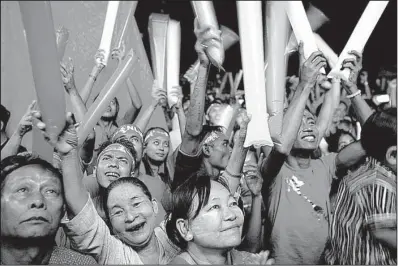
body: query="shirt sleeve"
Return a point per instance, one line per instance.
(90, 235)
(382, 212)
(185, 166)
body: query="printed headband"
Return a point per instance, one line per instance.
(156, 133)
(212, 137)
(128, 128)
(117, 147)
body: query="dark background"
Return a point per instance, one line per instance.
(380, 51)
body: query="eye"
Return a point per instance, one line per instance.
(166, 144)
(136, 204)
(105, 158)
(215, 207)
(134, 139)
(123, 161)
(117, 212)
(51, 191)
(22, 190)
(156, 142)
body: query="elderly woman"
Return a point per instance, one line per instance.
(206, 223)
(127, 204)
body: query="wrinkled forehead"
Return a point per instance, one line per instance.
(33, 173)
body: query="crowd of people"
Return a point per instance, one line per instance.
(326, 194)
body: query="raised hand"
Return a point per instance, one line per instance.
(25, 124)
(177, 93)
(67, 75)
(354, 64)
(253, 178)
(205, 38)
(309, 70)
(66, 141)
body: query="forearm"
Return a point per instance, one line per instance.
(387, 237)
(236, 161)
(76, 195)
(331, 97)
(361, 108)
(196, 108)
(86, 91)
(79, 108)
(181, 120)
(368, 92)
(293, 117)
(136, 104)
(350, 156)
(143, 121)
(12, 146)
(253, 236)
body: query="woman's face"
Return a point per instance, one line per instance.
(344, 141)
(132, 214)
(157, 148)
(219, 224)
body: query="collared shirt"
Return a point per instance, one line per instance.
(90, 235)
(366, 199)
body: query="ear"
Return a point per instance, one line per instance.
(95, 171)
(391, 156)
(206, 150)
(183, 229)
(155, 206)
(207, 117)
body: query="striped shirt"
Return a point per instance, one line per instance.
(366, 199)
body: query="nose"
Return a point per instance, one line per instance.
(113, 163)
(229, 215)
(129, 217)
(161, 148)
(37, 201)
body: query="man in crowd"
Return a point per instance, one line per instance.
(364, 228)
(32, 205)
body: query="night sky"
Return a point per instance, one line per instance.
(380, 51)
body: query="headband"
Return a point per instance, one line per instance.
(212, 137)
(126, 129)
(116, 147)
(156, 133)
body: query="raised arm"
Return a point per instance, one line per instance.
(361, 108)
(136, 104)
(293, 116)
(236, 161)
(88, 87)
(79, 109)
(330, 103)
(158, 98)
(24, 126)
(76, 195)
(190, 139)
(254, 183)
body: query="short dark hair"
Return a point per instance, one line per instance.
(384, 125)
(4, 116)
(121, 181)
(122, 141)
(198, 184)
(14, 162)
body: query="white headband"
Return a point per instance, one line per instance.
(117, 147)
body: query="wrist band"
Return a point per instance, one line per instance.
(358, 92)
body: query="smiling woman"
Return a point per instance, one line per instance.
(206, 223)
